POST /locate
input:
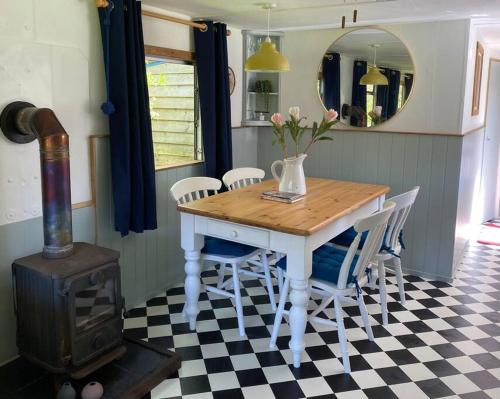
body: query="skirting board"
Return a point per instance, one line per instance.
(429, 276)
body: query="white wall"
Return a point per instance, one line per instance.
(438, 52)
(490, 182)
(56, 62)
(474, 195)
(470, 122)
(235, 59)
(51, 56)
(346, 68)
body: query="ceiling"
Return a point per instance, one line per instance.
(491, 35)
(392, 53)
(306, 14)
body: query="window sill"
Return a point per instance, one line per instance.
(178, 165)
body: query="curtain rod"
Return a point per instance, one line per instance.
(200, 26)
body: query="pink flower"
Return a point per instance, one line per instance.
(294, 112)
(277, 119)
(331, 115)
(377, 110)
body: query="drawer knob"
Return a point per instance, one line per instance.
(234, 233)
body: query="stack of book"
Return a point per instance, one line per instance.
(282, 196)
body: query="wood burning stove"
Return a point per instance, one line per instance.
(69, 310)
(67, 298)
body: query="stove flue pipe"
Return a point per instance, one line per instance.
(23, 122)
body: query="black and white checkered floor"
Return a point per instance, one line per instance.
(444, 343)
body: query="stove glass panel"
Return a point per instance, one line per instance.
(95, 305)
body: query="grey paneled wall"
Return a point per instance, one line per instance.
(152, 261)
(22, 239)
(245, 146)
(400, 161)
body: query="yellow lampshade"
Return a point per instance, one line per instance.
(374, 77)
(267, 59)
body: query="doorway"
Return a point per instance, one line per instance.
(490, 180)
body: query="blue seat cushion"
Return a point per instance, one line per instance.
(326, 265)
(347, 237)
(218, 246)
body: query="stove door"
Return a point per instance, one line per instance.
(95, 305)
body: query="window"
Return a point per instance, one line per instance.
(401, 94)
(371, 95)
(370, 103)
(173, 101)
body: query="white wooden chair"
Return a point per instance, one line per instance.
(390, 250)
(243, 177)
(338, 274)
(222, 251)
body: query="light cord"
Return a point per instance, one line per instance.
(268, 17)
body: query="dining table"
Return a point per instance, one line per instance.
(293, 229)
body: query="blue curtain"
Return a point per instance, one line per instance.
(393, 92)
(215, 106)
(408, 85)
(383, 94)
(331, 81)
(358, 98)
(131, 145)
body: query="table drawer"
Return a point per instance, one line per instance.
(235, 232)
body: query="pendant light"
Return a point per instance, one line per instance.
(267, 58)
(374, 76)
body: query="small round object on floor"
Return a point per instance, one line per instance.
(66, 392)
(93, 390)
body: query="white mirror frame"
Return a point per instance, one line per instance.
(344, 126)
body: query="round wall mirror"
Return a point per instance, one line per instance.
(367, 76)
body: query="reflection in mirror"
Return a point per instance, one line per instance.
(367, 74)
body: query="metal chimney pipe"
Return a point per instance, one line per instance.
(23, 122)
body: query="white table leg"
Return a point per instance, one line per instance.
(191, 243)
(192, 286)
(298, 318)
(298, 270)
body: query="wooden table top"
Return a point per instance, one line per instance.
(326, 201)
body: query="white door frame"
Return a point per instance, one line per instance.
(491, 207)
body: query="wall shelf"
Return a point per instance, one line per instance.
(256, 92)
(257, 103)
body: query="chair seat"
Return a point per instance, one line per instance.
(327, 262)
(218, 246)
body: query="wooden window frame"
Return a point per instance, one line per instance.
(189, 57)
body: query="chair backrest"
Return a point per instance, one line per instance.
(194, 188)
(398, 218)
(242, 177)
(375, 226)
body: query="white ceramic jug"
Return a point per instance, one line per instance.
(292, 179)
